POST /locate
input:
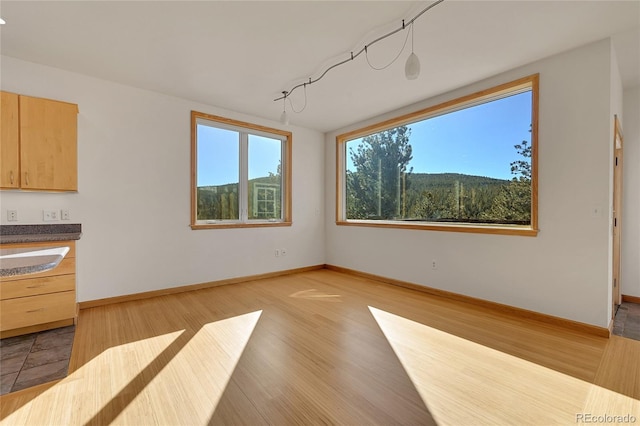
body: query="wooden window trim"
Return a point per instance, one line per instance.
(531, 82)
(286, 178)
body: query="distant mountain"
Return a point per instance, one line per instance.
(426, 181)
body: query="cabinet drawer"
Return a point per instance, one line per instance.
(26, 311)
(66, 267)
(36, 286)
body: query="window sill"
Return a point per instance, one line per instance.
(430, 226)
(223, 225)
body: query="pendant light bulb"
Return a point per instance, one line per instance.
(284, 118)
(412, 66)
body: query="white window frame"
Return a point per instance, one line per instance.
(256, 201)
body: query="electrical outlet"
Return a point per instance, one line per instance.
(49, 215)
(64, 214)
(12, 215)
(434, 265)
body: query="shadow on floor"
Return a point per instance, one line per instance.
(36, 358)
(627, 321)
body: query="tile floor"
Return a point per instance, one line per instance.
(627, 321)
(36, 358)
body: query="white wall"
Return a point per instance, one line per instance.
(564, 271)
(630, 280)
(133, 198)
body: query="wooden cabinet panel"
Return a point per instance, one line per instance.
(9, 144)
(36, 302)
(27, 311)
(37, 286)
(48, 144)
(71, 244)
(65, 267)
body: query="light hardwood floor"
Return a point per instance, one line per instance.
(323, 347)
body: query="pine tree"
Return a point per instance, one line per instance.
(376, 188)
(513, 203)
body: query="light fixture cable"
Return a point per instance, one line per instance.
(366, 53)
(286, 94)
(305, 101)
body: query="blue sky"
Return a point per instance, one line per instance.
(475, 141)
(218, 156)
(482, 146)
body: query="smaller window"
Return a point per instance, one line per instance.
(241, 174)
(265, 201)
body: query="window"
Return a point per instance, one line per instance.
(241, 174)
(265, 196)
(468, 165)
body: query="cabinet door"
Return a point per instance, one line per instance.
(9, 154)
(48, 144)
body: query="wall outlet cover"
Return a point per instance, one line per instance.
(49, 215)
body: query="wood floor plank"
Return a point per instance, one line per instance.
(324, 347)
(619, 368)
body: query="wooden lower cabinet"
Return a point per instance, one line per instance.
(32, 310)
(37, 302)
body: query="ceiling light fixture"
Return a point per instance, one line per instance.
(412, 66)
(2, 21)
(284, 118)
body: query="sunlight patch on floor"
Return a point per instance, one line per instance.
(192, 383)
(94, 384)
(455, 377)
(171, 377)
(313, 294)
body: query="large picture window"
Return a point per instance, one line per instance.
(241, 174)
(468, 165)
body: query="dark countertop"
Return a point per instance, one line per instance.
(40, 233)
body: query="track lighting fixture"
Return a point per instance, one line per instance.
(411, 68)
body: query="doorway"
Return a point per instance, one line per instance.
(617, 212)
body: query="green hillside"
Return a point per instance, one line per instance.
(455, 197)
(446, 180)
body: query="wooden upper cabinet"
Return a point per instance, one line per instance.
(48, 144)
(9, 142)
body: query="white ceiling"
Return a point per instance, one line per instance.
(240, 55)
